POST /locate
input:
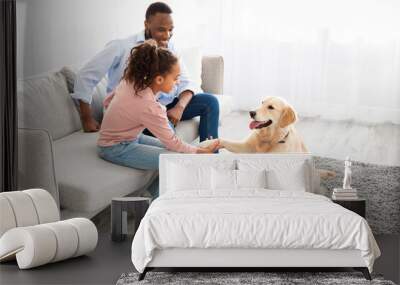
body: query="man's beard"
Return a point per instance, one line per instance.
(147, 35)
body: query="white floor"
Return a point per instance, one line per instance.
(373, 143)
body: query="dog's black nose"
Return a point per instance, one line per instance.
(252, 114)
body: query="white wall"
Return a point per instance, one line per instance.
(54, 33)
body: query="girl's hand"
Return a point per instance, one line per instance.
(211, 148)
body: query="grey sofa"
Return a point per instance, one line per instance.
(56, 155)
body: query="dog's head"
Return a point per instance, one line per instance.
(274, 111)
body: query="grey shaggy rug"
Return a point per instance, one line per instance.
(379, 184)
(270, 278)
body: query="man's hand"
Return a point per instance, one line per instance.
(175, 114)
(89, 124)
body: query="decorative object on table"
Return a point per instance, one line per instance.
(379, 183)
(31, 231)
(248, 278)
(347, 192)
(120, 208)
(347, 174)
(357, 205)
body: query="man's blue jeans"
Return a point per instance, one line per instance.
(207, 107)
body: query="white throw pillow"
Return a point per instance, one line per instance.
(251, 178)
(223, 179)
(290, 180)
(192, 60)
(282, 173)
(228, 179)
(184, 177)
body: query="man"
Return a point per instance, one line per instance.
(182, 103)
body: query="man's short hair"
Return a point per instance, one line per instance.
(157, 7)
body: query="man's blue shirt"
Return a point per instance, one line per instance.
(111, 61)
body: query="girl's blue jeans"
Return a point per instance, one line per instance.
(142, 153)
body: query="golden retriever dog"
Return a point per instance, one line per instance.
(273, 131)
(272, 128)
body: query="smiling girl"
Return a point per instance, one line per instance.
(133, 106)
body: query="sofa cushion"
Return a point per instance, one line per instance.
(36, 161)
(44, 103)
(99, 92)
(188, 130)
(192, 59)
(69, 73)
(87, 182)
(212, 74)
(225, 106)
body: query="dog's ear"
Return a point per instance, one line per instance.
(288, 117)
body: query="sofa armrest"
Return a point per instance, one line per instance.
(212, 74)
(36, 161)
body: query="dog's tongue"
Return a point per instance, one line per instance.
(254, 124)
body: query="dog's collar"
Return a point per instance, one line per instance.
(284, 138)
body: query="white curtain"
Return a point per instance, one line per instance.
(338, 59)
